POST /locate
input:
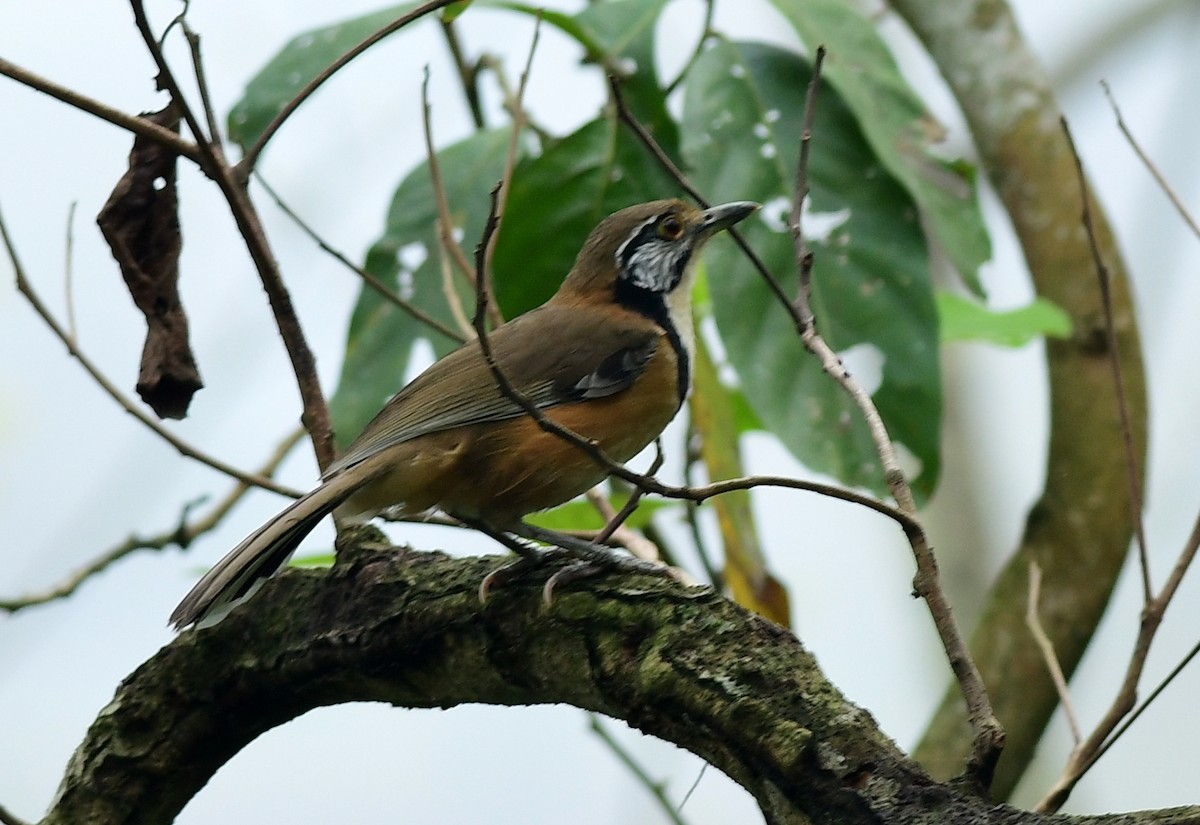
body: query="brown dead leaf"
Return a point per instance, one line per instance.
(140, 222)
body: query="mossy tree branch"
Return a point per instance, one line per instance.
(1079, 531)
(407, 628)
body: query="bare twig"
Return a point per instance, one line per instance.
(510, 164)
(370, 280)
(468, 75)
(7, 817)
(705, 32)
(450, 250)
(989, 736)
(1149, 700)
(615, 532)
(1106, 731)
(232, 184)
(246, 165)
(132, 123)
(26, 288)
(508, 97)
(1133, 472)
(1165, 185)
(69, 274)
(616, 519)
(181, 536)
(1099, 741)
(656, 788)
(210, 114)
(1034, 623)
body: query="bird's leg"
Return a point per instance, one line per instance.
(530, 557)
(591, 558)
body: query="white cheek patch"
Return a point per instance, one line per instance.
(652, 266)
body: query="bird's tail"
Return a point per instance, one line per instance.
(261, 554)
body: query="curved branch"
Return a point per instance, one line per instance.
(1079, 531)
(406, 627)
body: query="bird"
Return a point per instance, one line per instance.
(608, 356)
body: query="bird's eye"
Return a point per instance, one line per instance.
(670, 228)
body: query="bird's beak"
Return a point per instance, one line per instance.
(716, 218)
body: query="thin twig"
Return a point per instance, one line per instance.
(69, 274)
(1106, 731)
(615, 532)
(692, 460)
(1149, 700)
(1132, 470)
(181, 536)
(7, 817)
(1165, 185)
(510, 164)
(705, 32)
(656, 788)
(132, 123)
(370, 280)
(1034, 623)
(445, 221)
(232, 184)
(989, 735)
(616, 519)
(1084, 756)
(508, 98)
(210, 158)
(26, 288)
(210, 115)
(468, 75)
(246, 165)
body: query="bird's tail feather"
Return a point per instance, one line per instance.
(260, 555)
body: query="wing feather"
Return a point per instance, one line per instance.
(591, 356)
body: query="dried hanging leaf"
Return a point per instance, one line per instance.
(140, 222)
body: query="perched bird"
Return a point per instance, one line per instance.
(608, 357)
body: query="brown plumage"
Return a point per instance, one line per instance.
(608, 356)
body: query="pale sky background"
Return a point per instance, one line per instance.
(77, 475)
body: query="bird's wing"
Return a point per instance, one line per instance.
(592, 355)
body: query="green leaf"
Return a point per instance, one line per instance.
(290, 70)
(619, 36)
(896, 125)
(581, 515)
(742, 118)
(557, 198)
(965, 320)
(452, 11)
(406, 258)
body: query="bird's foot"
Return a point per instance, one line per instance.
(591, 559)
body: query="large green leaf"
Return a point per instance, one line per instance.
(297, 63)
(742, 118)
(896, 125)
(406, 258)
(557, 198)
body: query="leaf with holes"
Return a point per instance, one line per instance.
(871, 294)
(897, 126)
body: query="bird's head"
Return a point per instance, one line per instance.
(645, 252)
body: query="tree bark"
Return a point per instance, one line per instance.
(407, 627)
(1079, 531)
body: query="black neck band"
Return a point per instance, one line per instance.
(653, 305)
